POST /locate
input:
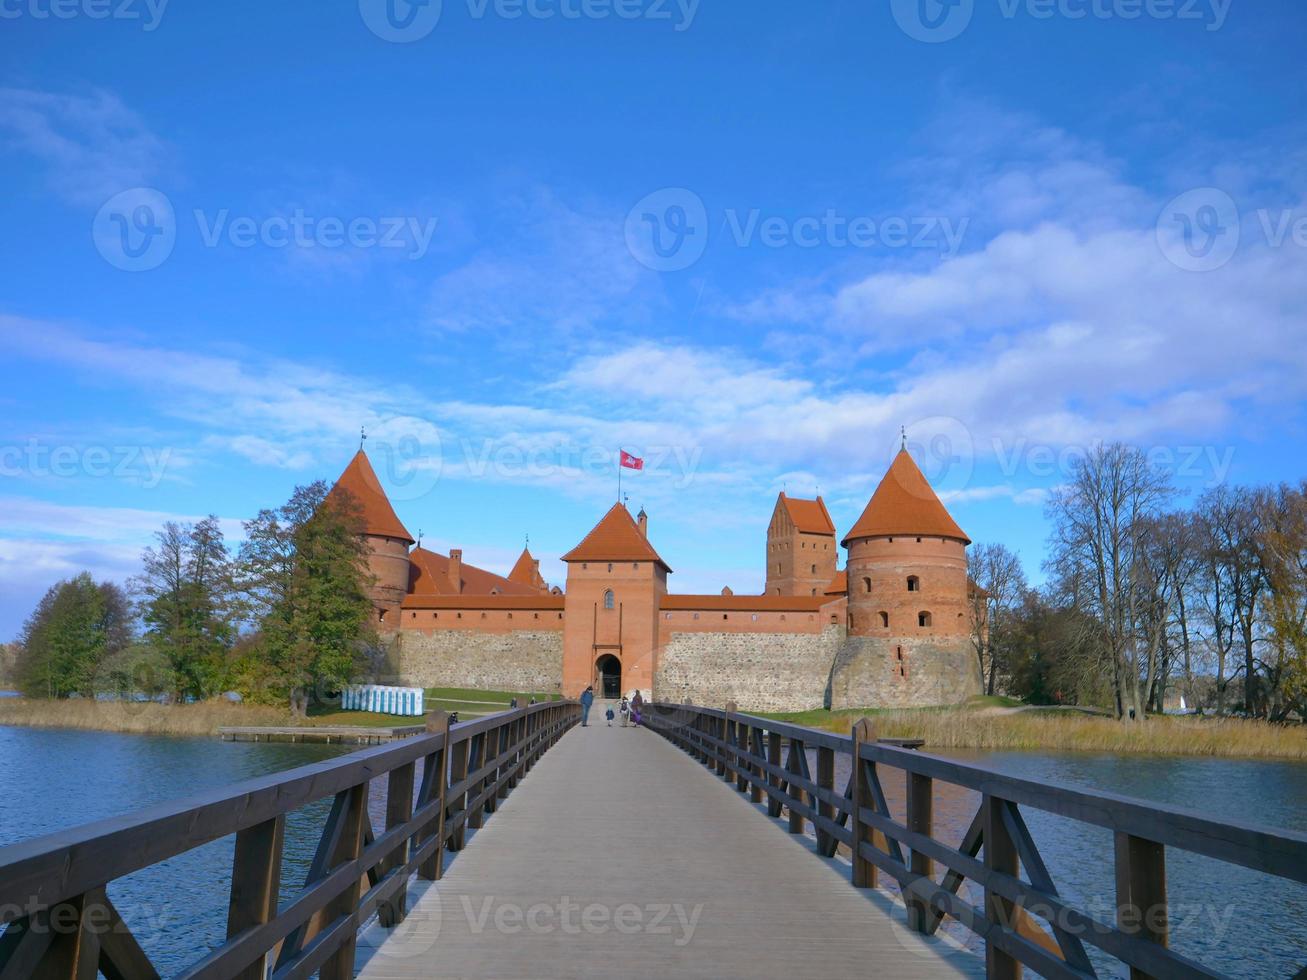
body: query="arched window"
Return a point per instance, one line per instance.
(608, 599)
(866, 585)
(923, 619)
(884, 620)
(814, 569)
(914, 584)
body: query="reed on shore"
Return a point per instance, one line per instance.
(149, 718)
(966, 727)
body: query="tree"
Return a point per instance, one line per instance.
(186, 604)
(1100, 520)
(75, 628)
(1000, 584)
(304, 573)
(1283, 549)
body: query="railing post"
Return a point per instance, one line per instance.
(724, 730)
(255, 882)
(738, 736)
(458, 801)
(435, 778)
(774, 781)
(1141, 908)
(340, 965)
(920, 817)
(826, 844)
(399, 808)
(74, 952)
(794, 766)
(860, 796)
(1000, 858)
(754, 736)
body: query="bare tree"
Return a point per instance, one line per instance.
(1101, 518)
(1235, 579)
(999, 583)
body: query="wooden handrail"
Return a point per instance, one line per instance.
(746, 750)
(60, 921)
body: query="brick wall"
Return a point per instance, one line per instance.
(758, 671)
(903, 672)
(521, 660)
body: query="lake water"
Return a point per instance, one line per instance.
(1241, 923)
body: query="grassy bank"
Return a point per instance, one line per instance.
(984, 726)
(175, 719)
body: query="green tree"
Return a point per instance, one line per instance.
(303, 568)
(75, 628)
(185, 592)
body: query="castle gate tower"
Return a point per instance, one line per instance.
(615, 582)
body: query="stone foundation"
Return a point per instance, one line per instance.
(903, 672)
(522, 660)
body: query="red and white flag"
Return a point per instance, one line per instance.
(632, 462)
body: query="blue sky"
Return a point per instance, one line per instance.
(748, 240)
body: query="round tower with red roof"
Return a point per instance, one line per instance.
(386, 537)
(909, 615)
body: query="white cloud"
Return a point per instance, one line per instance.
(93, 145)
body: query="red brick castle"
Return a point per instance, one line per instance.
(891, 629)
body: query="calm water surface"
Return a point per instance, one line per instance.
(1239, 922)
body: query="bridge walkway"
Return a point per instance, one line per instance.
(617, 856)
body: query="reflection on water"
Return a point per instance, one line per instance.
(1236, 921)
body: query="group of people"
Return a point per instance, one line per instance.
(631, 710)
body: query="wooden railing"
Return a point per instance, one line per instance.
(61, 923)
(1023, 921)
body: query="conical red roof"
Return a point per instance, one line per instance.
(615, 538)
(360, 480)
(525, 571)
(905, 504)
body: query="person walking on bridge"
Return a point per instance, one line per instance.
(587, 699)
(637, 706)
(624, 709)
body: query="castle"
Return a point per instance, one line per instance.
(891, 629)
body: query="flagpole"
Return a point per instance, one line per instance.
(619, 474)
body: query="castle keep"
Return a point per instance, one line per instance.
(892, 629)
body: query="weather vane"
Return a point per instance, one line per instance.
(363, 436)
(904, 430)
(419, 537)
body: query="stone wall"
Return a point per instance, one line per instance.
(758, 671)
(903, 672)
(522, 660)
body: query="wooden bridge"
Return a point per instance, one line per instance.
(618, 856)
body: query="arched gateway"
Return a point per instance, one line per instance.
(608, 671)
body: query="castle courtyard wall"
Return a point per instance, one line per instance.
(508, 660)
(759, 671)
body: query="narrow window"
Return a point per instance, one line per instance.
(814, 569)
(866, 585)
(609, 601)
(914, 584)
(923, 619)
(884, 620)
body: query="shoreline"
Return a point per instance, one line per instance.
(149, 718)
(982, 728)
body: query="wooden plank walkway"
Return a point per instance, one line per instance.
(619, 856)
